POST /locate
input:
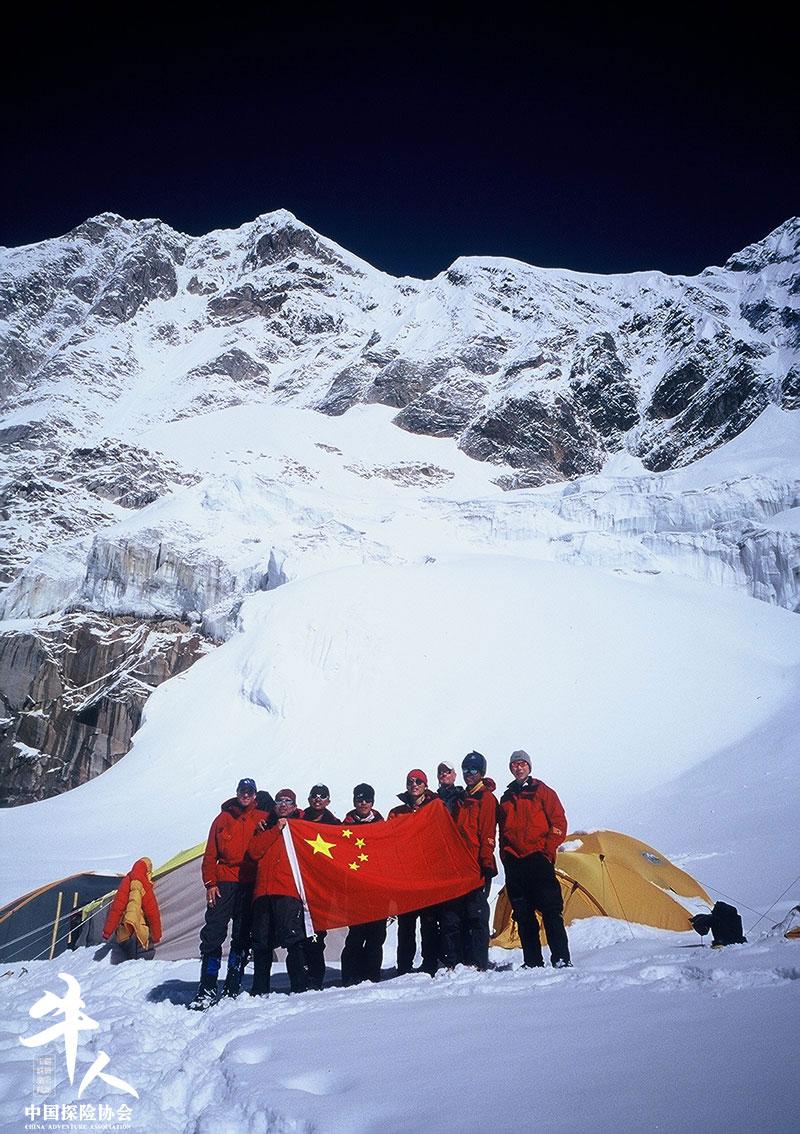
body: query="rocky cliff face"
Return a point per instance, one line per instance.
(72, 693)
(122, 322)
(122, 327)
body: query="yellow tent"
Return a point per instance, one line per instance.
(607, 874)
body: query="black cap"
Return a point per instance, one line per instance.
(363, 793)
(319, 789)
(246, 785)
(474, 762)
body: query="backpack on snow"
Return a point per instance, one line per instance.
(724, 922)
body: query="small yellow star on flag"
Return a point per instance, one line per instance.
(347, 834)
(359, 842)
(364, 857)
(354, 866)
(319, 846)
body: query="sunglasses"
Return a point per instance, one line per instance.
(414, 780)
(319, 797)
(283, 800)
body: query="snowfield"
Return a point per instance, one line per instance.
(645, 1033)
(636, 633)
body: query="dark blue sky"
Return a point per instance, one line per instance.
(599, 144)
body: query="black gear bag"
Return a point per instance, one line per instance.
(724, 922)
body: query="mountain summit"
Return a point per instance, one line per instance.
(186, 420)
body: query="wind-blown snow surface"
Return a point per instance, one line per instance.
(645, 1035)
(606, 626)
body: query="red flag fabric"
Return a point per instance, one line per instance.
(359, 873)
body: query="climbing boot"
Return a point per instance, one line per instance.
(206, 994)
(262, 972)
(233, 977)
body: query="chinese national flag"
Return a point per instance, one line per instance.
(365, 871)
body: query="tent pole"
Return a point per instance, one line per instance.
(71, 933)
(55, 925)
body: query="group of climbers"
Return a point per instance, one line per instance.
(237, 870)
(236, 873)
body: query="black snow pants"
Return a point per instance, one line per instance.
(531, 885)
(407, 940)
(234, 905)
(362, 955)
(464, 929)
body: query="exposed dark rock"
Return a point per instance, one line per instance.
(674, 392)
(313, 323)
(145, 273)
(401, 381)
(53, 489)
(678, 326)
(760, 315)
(444, 411)
(344, 391)
(717, 412)
(780, 247)
(790, 319)
(17, 362)
(125, 474)
(96, 229)
(456, 278)
(196, 286)
(603, 390)
(734, 403)
(167, 333)
(483, 356)
(662, 454)
(407, 473)
(521, 332)
(548, 441)
(31, 435)
(72, 693)
(235, 364)
(284, 242)
(245, 302)
(525, 365)
(790, 389)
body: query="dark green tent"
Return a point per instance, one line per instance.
(45, 922)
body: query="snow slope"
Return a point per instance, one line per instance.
(645, 1034)
(408, 610)
(615, 686)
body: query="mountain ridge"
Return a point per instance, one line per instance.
(188, 420)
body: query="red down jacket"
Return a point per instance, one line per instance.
(476, 819)
(225, 855)
(135, 908)
(531, 820)
(261, 862)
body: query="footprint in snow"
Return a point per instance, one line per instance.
(247, 1050)
(318, 1083)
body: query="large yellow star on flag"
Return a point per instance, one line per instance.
(319, 846)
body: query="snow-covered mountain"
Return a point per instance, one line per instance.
(267, 511)
(187, 421)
